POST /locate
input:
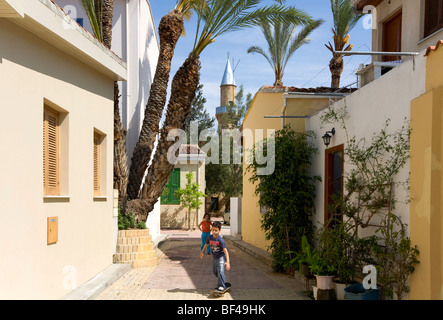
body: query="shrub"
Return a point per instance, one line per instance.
(127, 221)
(287, 194)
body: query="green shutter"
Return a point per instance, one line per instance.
(172, 185)
(175, 185)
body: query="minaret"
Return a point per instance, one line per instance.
(227, 92)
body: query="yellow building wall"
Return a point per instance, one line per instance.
(426, 223)
(263, 104)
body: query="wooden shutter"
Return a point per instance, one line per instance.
(96, 164)
(175, 185)
(433, 16)
(392, 37)
(172, 185)
(51, 175)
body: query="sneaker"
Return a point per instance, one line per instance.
(221, 289)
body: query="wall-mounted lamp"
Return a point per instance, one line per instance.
(327, 138)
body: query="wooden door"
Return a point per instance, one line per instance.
(392, 37)
(333, 182)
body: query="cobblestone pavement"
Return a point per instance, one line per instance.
(182, 275)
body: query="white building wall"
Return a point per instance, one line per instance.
(134, 39)
(35, 73)
(388, 97)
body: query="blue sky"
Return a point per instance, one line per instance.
(308, 66)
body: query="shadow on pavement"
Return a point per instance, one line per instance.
(182, 270)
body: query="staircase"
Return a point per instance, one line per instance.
(135, 247)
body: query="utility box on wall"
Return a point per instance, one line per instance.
(52, 230)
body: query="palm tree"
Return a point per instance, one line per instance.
(170, 28)
(282, 43)
(215, 18)
(345, 19)
(100, 14)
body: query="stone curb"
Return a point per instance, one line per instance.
(92, 289)
(257, 253)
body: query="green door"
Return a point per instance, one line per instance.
(168, 197)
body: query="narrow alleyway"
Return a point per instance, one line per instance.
(182, 275)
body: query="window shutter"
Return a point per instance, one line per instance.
(96, 164)
(433, 16)
(172, 185)
(175, 185)
(51, 181)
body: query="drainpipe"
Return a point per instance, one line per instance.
(198, 173)
(283, 109)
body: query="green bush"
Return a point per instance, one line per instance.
(127, 221)
(287, 194)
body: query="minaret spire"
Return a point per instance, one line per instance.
(227, 91)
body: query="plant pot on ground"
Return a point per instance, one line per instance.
(303, 258)
(358, 292)
(339, 287)
(323, 270)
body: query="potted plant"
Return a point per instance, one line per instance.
(323, 270)
(349, 252)
(324, 259)
(303, 258)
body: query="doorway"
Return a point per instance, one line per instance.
(392, 36)
(333, 184)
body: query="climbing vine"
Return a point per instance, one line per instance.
(286, 196)
(369, 199)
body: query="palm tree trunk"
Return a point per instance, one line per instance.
(170, 28)
(278, 77)
(120, 155)
(336, 67)
(105, 15)
(184, 86)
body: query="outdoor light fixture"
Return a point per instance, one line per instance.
(327, 138)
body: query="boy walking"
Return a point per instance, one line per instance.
(220, 255)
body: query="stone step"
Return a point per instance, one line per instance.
(125, 248)
(134, 240)
(133, 233)
(132, 256)
(135, 247)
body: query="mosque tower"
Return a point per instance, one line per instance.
(227, 92)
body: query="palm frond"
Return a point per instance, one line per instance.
(91, 7)
(282, 42)
(219, 17)
(345, 20)
(186, 8)
(256, 49)
(301, 39)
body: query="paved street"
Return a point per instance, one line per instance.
(182, 275)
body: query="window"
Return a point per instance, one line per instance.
(433, 16)
(214, 204)
(168, 195)
(96, 160)
(51, 158)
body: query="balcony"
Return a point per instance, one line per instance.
(375, 70)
